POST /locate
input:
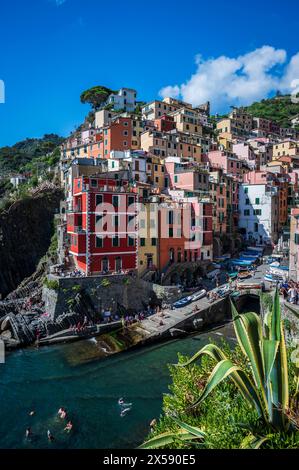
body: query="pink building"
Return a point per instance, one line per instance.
(245, 152)
(186, 176)
(229, 163)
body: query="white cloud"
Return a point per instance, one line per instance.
(237, 81)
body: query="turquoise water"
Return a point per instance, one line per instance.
(74, 377)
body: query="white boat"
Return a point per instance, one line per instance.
(199, 295)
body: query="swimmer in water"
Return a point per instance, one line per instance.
(50, 437)
(31, 413)
(28, 433)
(62, 413)
(125, 411)
(69, 426)
(121, 401)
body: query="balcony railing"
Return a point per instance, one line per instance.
(79, 230)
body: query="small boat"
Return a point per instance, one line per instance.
(199, 295)
(233, 275)
(273, 278)
(223, 291)
(244, 274)
(183, 302)
(247, 285)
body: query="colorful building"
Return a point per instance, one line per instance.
(102, 224)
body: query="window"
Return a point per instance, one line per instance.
(99, 199)
(115, 241)
(115, 221)
(125, 133)
(170, 234)
(125, 143)
(257, 212)
(247, 212)
(131, 241)
(296, 239)
(170, 217)
(142, 241)
(246, 190)
(247, 202)
(131, 200)
(257, 200)
(94, 183)
(115, 201)
(99, 242)
(256, 227)
(142, 223)
(154, 242)
(175, 178)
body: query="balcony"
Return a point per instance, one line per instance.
(73, 210)
(79, 230)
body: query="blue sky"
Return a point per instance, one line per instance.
(51, 50)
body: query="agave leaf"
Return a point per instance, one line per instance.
(191, 429)
(279, 372)
(270, 348)
(275, 329)
(167, 438)
(239, 377)
(211, 350)
(253, 442)
(248, 329)
(224, 369)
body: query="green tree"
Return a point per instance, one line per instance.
(96, 96)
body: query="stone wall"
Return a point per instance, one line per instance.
(105, 292)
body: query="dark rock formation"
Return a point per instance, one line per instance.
(25, 235)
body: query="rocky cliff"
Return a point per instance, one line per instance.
(25, 233)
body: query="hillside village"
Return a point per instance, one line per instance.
(238, 179)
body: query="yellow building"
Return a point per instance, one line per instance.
(289, 148)
(147, 237)
(163, 144)
(187, 120)
(226, 143)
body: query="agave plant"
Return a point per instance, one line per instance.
(264, 383)
(185, 433)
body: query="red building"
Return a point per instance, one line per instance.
(165, 123)
(102, 225)
(185, 233)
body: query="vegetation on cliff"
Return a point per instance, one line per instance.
(36, 159)
(279, 109)
(26, 154)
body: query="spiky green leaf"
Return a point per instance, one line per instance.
(167, 438)
(248, 329)
(253, 442)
